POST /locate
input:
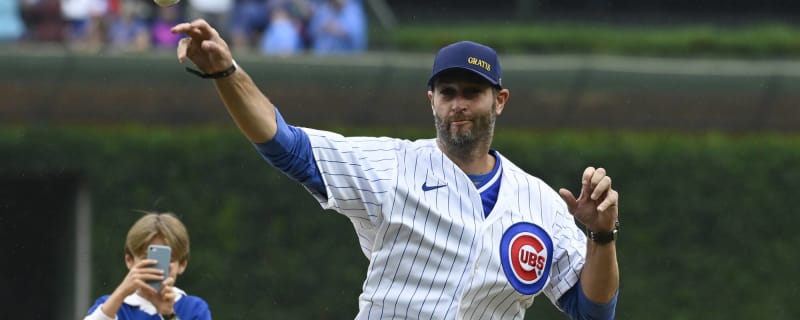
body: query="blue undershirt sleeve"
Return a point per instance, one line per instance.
(290, 152)
(575, 304)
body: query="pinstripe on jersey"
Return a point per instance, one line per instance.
(433, 254)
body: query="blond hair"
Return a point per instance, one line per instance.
(165, 225)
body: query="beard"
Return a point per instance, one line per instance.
(464, 139)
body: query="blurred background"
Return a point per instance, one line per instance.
(692, 106)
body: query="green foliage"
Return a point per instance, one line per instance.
(707, 220)
(752, 41)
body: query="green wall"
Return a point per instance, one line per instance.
(708, 221)
(388, 89)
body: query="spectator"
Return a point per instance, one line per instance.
(301, 11)
(43, 20)
(85, 23)
(216, 12)
(250, 19)
(11, 26)
(128, 30)
(134, 298)
(162, 37)
(282, 37)
(338, 26)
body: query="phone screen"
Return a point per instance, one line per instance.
(163, 255)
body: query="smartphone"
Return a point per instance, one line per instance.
(162, 254)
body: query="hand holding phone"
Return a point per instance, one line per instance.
(163, 255)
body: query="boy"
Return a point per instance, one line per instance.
(134, 299)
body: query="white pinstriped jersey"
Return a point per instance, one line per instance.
(420, 222)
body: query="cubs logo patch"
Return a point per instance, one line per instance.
(526, 254)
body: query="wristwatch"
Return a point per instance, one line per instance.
(170, 316)
(604, 237)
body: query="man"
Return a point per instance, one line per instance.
(452, 229)
(338, 27)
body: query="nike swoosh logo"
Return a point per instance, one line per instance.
(426, 187)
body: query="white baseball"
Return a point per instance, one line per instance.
(166, 3)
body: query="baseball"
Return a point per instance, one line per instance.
(166, 3)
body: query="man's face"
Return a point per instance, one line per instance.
(465, 107)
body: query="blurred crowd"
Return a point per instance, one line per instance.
(270, 27)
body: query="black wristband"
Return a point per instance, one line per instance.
(215, 75)
(604, 237)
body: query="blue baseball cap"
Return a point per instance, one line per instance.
(471, 56)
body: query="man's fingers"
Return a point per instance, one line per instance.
(569, 199)
(183, 48)
(602, 186)
(196, 29)
(587, 175)
(205, 28)
(181, 28)
(612, 198)
(211, 47)
(202, 30)
(597, 176)
(586, 182)
(594, 183)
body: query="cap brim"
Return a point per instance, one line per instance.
(484, 76)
